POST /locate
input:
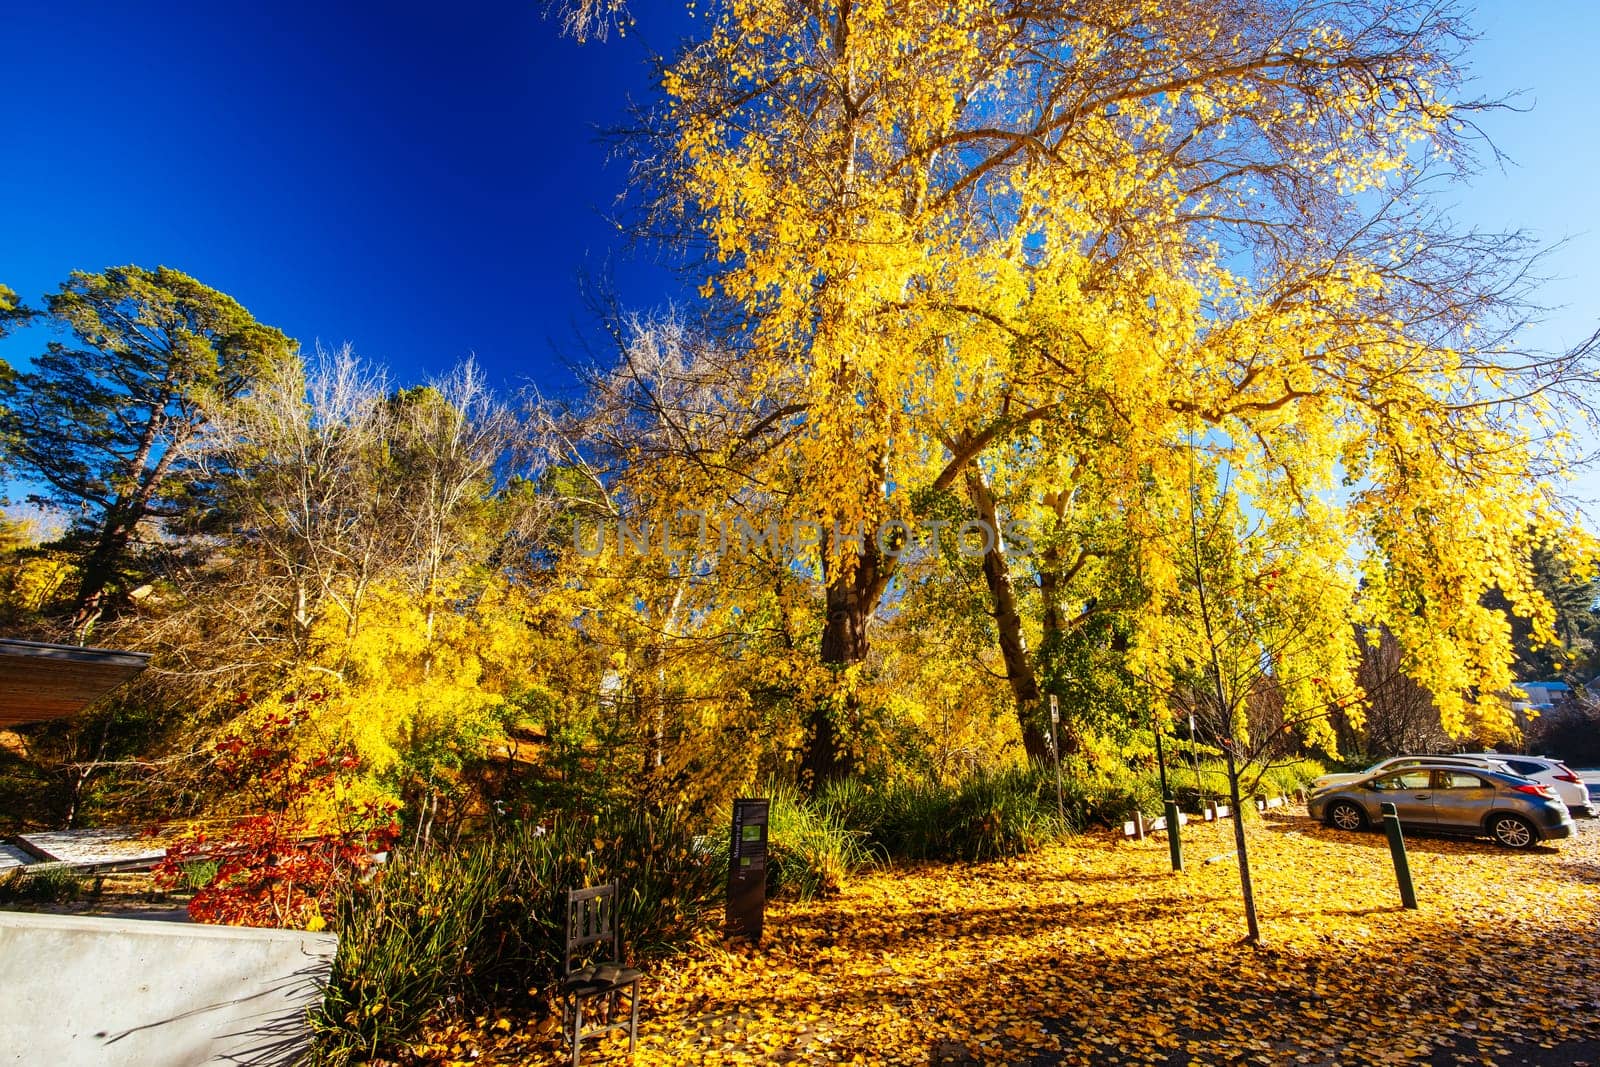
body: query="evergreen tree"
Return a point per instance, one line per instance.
(104, 424)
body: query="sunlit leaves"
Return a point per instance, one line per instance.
(1105, 231)
(1094, 952)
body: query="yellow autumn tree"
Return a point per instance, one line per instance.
(945, 231)
(672, 571)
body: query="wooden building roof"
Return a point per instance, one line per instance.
(40, 681)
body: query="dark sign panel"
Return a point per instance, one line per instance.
(747, 871)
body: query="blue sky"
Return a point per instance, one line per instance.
(425, 182)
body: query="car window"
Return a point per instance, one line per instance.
(1460, 780)
(1409, 780)
(1525, 768)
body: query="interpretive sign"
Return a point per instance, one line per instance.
(747, 871)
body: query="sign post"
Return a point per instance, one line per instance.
(747, 871)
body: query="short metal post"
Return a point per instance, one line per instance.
(1397, 849)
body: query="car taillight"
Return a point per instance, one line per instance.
(1535, 790)
(1564, 774)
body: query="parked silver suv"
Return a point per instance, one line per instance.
(1561, 779)
(1517, 812)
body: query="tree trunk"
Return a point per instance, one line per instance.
(1050, 596)
(1008, 621)
(99, 567)
(122, 518)
(850, 599)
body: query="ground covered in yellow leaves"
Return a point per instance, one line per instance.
(1095, 953)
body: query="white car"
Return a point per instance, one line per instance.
(1489, 762)
(1553, 773)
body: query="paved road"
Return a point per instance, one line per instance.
(1486, 1050)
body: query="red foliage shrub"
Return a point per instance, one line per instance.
(272, 868)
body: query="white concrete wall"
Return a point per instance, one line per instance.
(108, 992)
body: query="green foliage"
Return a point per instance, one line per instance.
(1571, 589)
(442, 930)
(407, 945)
(11, 312)
(811, 851)
(1008, 812)
(197, 874)
(1191, 789)
(44, 884)
(984, 815)
(1104, 794)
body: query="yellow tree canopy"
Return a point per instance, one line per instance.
(1103, 228)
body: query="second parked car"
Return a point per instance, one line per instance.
(1398, 763)
(1561, 779)
(1517, 812)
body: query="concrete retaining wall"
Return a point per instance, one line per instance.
(107, 992)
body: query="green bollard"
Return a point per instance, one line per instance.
(1174, 844)
(1397, 849)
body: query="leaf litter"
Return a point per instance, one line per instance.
(1094, 952)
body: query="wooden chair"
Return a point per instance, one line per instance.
(591, 970)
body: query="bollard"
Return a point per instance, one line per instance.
(1174, 843)
(1397, 849)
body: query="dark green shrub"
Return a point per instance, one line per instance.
(44, 884)
(1285, 779)
(449, 931)
(811, 852)
(1106, 797)
(408, 943)
(1003, 813)
(985, 815)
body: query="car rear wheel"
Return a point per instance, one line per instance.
(1512, 831)
(1347, 816)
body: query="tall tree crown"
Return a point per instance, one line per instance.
(103, 424)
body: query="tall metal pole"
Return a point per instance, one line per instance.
(1194, 759)
(1055, 749)
(1161, 759)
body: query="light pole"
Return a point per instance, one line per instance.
(1055, 750)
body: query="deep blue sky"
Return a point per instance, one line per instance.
(424, 181)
